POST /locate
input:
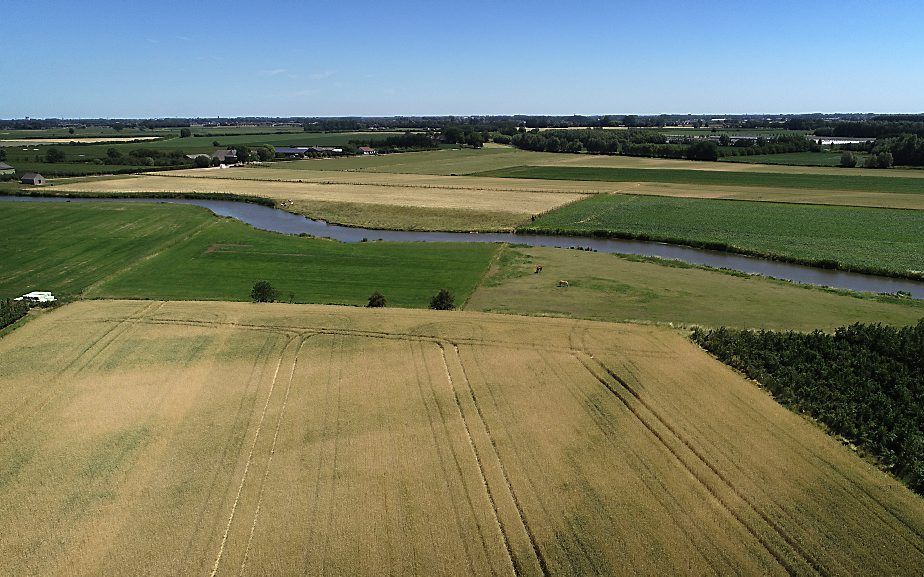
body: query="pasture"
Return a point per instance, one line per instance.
(182, 252)
(162, 438)
(607, 287)
(863, 239)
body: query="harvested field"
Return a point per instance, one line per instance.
(517, 205)
(218, 438)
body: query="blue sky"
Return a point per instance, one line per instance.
(110, 58)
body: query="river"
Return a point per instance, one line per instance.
(277, 220)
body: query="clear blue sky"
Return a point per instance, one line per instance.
(126, 58)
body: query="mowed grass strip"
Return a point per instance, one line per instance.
(182, 252)
(863, 239)
(715, 178)
(621, 288)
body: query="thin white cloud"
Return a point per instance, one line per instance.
(321, 75)
(273, 72)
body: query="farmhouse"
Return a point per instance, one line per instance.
(225, 156)
(366, 150)
(6, 169)
(32, 178)
(37, 297)
(303, 151)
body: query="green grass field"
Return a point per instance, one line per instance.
(795, 158)
(617, 288)
(852, 182)
(183, 252)
(865, 239)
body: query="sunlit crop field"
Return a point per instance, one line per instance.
(157, 438)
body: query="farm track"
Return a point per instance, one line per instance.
(498, 483)
(694, 465)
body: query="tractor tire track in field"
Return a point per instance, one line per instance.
(514, 565)
(256, 438)
(269, 461)
(671, 439)
(73, 368)
(539, 557)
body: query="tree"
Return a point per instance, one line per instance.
(848, 160)
(2, 154)
(474, 139)
(630, 120)
(202, 161)
(724, 140)
(263, 292)
(443, 301)
(185, 133)
(376, 300)
(215, 143)
(703, 150)
(113, 155)
(70, 131)
(54, 154)
(243, 153)
(884, 160)
(265, 153)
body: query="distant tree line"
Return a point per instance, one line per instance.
(400, 142)
(865, 382)
(873, 128)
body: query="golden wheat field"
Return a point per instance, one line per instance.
(433, 192)
(181, 438)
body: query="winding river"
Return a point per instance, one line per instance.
(277, 220)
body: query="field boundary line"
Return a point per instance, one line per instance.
(256, 437)
(484, 480)
(269, 460)
(540, 558)
(810, 561)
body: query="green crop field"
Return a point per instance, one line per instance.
(865, 239)
(906, 185)
(795, 158)
(183, 252)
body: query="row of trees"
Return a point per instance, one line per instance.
(264, 292)
(400, 142)
(11, 311)
(629, 142)
(905, 149)
(865, 382)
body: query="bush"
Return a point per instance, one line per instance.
(443, 301)
(185, 133)
(11, 311)
(263, 292)
(202, 161)
(848, 160)
(376, 300)
(54, 155)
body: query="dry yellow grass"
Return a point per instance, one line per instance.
(218, 438)
(388, 191)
